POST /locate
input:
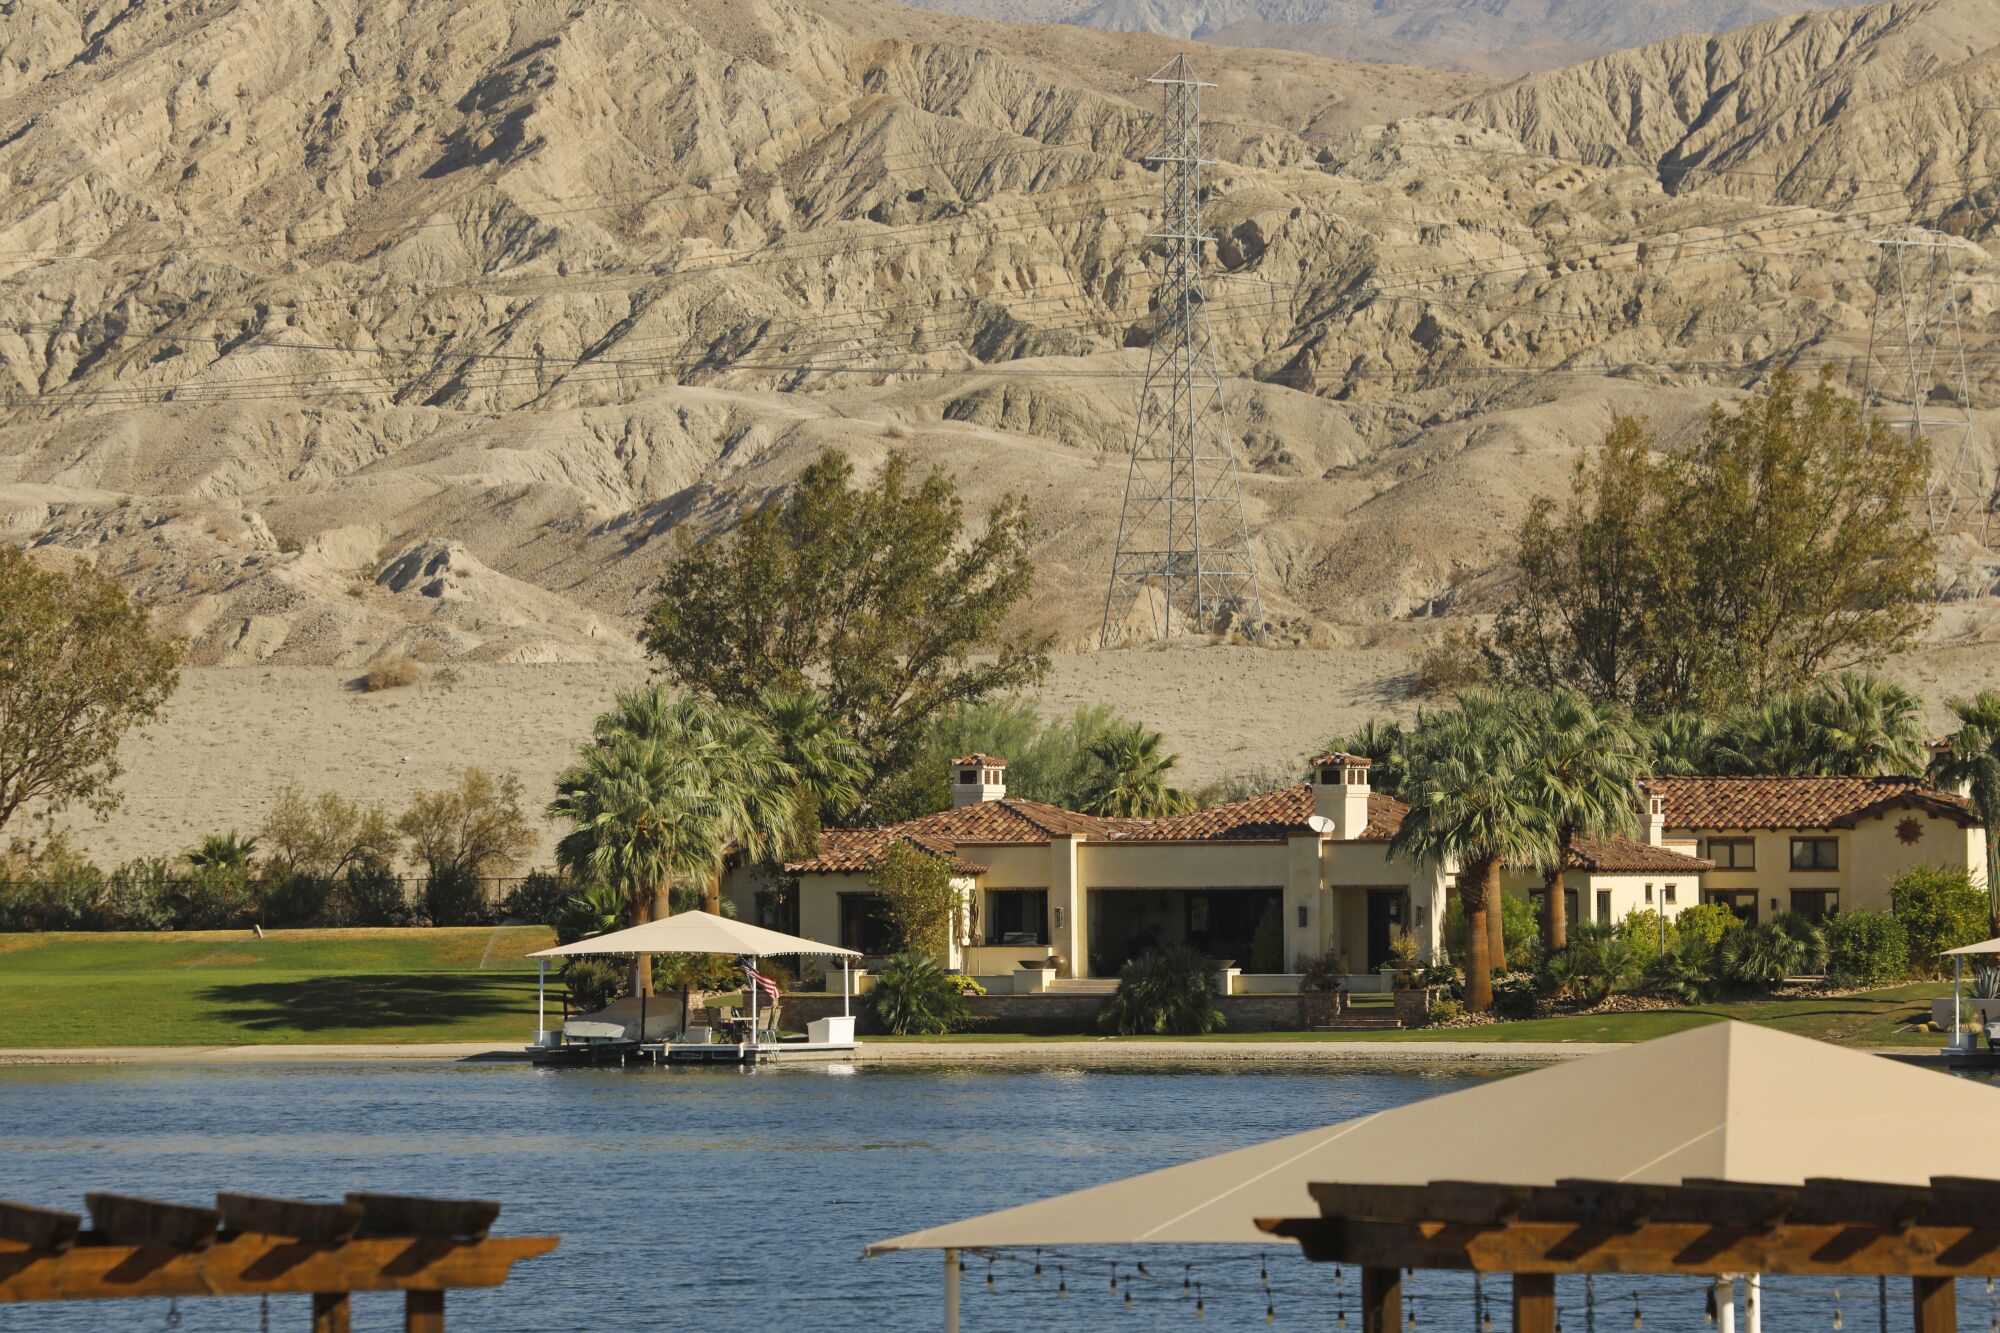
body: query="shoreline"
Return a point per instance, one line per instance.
(1100, 1053)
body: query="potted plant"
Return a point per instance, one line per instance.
(1321, 999)
(1409, 981)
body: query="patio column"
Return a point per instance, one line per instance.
(1534, 1303)
(541, 998)
(1753, 1303)
(951, 1291)
(1725, 1303)
(1933, 1305)
(1381, 1300)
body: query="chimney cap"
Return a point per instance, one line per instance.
(983, 760)
(1342, 758)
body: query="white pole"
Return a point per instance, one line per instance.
(1725, 1303)
(1957, 975)
(846, 986)
(752, 981)
(951, 1291)
(1753, 1303)
(541, 999)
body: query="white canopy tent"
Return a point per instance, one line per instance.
(1986, 948)
(1725, 1102)
(696, 932)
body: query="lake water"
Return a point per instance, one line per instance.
(736, 1200)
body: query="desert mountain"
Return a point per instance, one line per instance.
(1506, 37)
(422, 326)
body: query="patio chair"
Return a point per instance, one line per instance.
(767, 1021)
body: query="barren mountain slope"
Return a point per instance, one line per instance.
(422, 326)
(1506, 37)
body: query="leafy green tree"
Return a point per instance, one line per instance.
(1130, 776)
(471, 829)
(1582, 774)
(1048, 759)
(1866, 949)
(1782, 546)
(1469, 802)
(921, 897)
(1776, 738)
(1682, 744)
(327, 835)
(1972, 759)
(1940, 909)
(78, 669)
(1850, 724)
(876, 591)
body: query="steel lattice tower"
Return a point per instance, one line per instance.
(1916, 373)
(1182, 533)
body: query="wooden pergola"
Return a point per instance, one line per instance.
(1931, 1235)
(248, 1245)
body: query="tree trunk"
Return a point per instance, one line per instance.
(1556, 909)
(1496, 918)
(642, 963)
(1478, 944)
(711, 896)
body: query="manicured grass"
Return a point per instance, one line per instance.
(1871, 1019)
(214, 988)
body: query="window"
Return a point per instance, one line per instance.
(1604, 907)
(864, 924)
(1815, 853)
(1017, 916)
(1649, 895)
(1733, 853)
(1743, 902)
(1667, 896)
(1815, 904)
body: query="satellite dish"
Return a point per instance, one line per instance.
(1319, 823)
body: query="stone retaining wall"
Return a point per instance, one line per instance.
(1060, 1013)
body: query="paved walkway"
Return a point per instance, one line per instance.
(1105, 1051)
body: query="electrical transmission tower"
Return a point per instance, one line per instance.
(1183, 541)
(1916, 373)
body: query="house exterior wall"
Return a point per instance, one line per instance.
(1870, 855)
(1627, 890)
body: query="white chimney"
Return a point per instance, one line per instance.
(1656, 820)
(978, 777)
(1340, 793)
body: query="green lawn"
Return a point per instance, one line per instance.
(217, 988)
(203, 988)
(1871, 1019)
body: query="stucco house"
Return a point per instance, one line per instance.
(1088, 893)
(1814, 845)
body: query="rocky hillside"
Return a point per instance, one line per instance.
(421, 326)
(1506, 37)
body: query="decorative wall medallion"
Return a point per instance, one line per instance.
(1909, 830)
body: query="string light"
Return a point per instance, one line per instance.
(989, 1272)
(1270, 1311)
(1038, 1263)
(1200, 1309)
(1836, 1310)
(1062, 1283)
(1114, 1275)
(1187, 1276)
(1264, 1274)
(1128, 1297)
(1479, 1305)
(1638, 1319)
(1708, 1310)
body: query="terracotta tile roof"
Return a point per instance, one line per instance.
(1268, 815)
(854, 850)
(1777, 803)
(1628, 856)
(986, 760)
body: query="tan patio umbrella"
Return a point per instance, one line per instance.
(697, 932)
(1723, 1102)
(1958, 957)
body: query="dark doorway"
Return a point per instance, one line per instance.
(1387, 913)
(1743, 902)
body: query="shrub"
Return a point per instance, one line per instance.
(395, 673)
(54, 889)
(140, 895)
(296, 899)
(214, 900)
(1940, 909)
(536, 900)
(594, 980)
(1445, 1010)
(1267, 941)
(1683, 974)
(913, 994)
(452, 898)
(597, 910)
(1866, 949)
(1596, 962)
(1520, 928)
(371, 895)
(1456, 661)
(1165, 991)
(1322, 973)
(1701, 927)
(1514, 997)
(966, 985)
(1764, 955)
(1644, 933)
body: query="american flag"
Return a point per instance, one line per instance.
(762, 982)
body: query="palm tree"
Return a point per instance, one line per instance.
(829, 766)
(1469, 802)
(1683, 744)
(1385, 745)
(1777, 738)
(1583, 767)
(1971, 759)
(224, 851)
(664, 792)
(1131, 777)
(1867, 726)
